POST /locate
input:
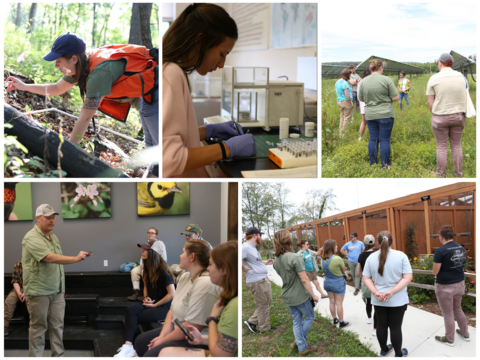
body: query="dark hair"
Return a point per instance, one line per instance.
(328, 248)
(282, 241)
(402, 72)
(366, 72)
(153, 267)
(384, 238)
(201, 250)
(182, 43)
(345, 74)
(375, 65)
(352, 67)
(447, 232)
(82, 68)
(226, 256)
(354, 234)
(302, 242)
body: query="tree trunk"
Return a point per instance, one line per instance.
(145, 13)
(135, 30)
(18, 18)
(94, 20)
(31, 18)
(80, 5)
(105, 25)
(60, 17)
(76, 162)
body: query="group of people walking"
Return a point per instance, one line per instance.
(380, 273)
(373, 96)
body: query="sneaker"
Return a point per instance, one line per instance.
(466, 338)
(356, 292)
(374, 332)
(369, 320)
(360, 138)
(385, 353)
(443, 340)
(294, 345)
(126, 351)
(404, 353)
(306, 351)
(335, 322)
(343, 324)
(251, 327)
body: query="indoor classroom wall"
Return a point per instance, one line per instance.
(114, 239)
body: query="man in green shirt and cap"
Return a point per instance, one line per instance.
(44, 282)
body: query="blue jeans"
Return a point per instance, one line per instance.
(380, 133)
(301, 326)
(402, 96)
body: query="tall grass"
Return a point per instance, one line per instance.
(412, 143)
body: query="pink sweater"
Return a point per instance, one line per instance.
(180, 129)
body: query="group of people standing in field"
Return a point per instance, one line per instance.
(373, 96)
(380, 273)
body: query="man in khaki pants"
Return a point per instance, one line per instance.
(257, 281)
(44, 282)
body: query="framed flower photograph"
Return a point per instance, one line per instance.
(82, 200)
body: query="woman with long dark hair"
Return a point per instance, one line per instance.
(383, 269)
(222, 338)
(198, 40)
(369, 242)
(111, 79)
(366, 73)
(334, 284)
(194, 299)
(158, 293)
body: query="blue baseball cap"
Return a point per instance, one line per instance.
(66, 44)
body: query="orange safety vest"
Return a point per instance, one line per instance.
(138, 79)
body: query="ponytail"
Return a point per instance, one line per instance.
(384, 238)
(375, 65)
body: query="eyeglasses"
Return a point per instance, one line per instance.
(152, 233)
(351, 237)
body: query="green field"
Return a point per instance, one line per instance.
(412, 143)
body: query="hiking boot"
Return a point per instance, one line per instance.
(135, 295)
(343, 324)
(251, 327)
(404, 353)
(356, 292)
(294, 345)
(335, 322)
(306, 351)
(466, 338)
(443, 340)
(385, 353)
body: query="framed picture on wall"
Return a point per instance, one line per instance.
(17, 201)
(163, 198)
(82, 200)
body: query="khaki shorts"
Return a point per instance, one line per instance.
(312, 275)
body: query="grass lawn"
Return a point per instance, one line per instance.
(327, 340)
(413, 146)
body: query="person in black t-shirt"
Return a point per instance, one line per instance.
(369, 242)
(448, 263)
(158, 293)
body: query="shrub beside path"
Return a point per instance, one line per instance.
(419, 327)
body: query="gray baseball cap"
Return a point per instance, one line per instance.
(446, 58)
(369, 240)
(45, 210)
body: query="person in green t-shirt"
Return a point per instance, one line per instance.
(297, 293)
(222, 338)
(378, 92)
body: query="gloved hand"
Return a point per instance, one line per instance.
(224, 130)
(241, 146)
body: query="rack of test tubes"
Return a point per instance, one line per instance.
(292, 153)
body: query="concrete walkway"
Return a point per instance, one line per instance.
(419, 327)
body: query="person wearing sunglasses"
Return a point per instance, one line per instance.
(137, 272)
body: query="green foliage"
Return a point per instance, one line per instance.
(411, 243)
(413, 146)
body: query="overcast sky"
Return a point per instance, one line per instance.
(370, 191)
(397, 30)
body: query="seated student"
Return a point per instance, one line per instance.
(158, 294)
(137, 272)
(222, 338)
(192, 303)
(15, 295)
(193, 231)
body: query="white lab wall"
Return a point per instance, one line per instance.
(282, 62)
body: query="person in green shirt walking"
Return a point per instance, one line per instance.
(297, 293)
(44, 282)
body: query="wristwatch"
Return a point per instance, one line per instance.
(212, 318)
